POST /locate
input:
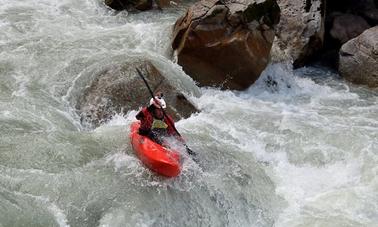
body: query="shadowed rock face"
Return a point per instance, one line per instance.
(359, 58)
(347, 26)
(314, 30)
(300, 31)
(226, 43)
(137, 4)
(119, 89)
(126, 4)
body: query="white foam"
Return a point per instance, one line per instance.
(294, 105)
(301, 186)
(118, 120)
(59, 215)
(122, 160)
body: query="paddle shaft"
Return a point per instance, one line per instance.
(152, 95)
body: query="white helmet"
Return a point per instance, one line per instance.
(160, 100)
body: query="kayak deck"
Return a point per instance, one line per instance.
(159, 159)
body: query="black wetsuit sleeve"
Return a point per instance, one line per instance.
(142, 130)
(140, 115)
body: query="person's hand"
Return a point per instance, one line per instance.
(157, 102)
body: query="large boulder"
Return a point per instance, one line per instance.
(315, 29)
(226, 43)
(300, 31)
(127, 4)
(119, 89)
(137, 4)
(359, 58)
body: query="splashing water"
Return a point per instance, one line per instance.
(298, 148)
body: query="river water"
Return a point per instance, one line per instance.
(299, 152)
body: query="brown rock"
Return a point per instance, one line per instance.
(163, 3)
(142, 4)
(226, 43)
(347, 26)
(119, 89)
(359, 58)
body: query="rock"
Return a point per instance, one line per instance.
(226, 43)
(300, 32)
(347, 26)
(359, 6)
(371, 15)
(359, 58)
(127, 4)
(116, 4)
(349, 6)
(142, 4)
(120, 89)
(164, 3)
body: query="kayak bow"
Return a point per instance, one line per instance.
(159, 159)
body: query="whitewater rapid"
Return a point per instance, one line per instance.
(299, 152)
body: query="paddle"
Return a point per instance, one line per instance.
(190, 151)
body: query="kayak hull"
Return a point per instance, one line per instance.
(157, 158)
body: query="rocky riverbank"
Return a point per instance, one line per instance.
(227, 44)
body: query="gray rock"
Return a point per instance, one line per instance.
(300, 32)
(119, 89)
(347, 26)
(359, 58)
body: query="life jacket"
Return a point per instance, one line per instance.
(158, 124)
(148, 122)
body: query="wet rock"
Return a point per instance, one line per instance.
(345, 19)
(355, 6)
(128, 4)
(300, 31)
(371, 16)
(359, 58)
(119, 89)
(314, 30)
(347, 26)
(226, 43)
(116, 4)
(164, 3)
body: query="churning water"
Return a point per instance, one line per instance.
(302, 151)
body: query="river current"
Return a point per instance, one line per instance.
(299, 152)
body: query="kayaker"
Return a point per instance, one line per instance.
(153, 122)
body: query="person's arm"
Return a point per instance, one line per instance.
(145, 124)
(172, 129)
(140, 115)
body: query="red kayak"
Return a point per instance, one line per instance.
(159, 159)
